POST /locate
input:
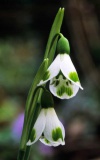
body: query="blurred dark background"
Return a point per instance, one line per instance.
(24, 30)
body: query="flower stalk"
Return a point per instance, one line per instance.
(41, 121)
(32, 101)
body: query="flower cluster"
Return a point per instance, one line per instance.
(64, 84)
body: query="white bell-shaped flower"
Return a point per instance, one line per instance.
(48, 129)
(64, 81)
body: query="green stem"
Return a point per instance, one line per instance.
(37, 79)
(31, 108)
(27, 153)
(33, 112)
(55, 29)
(26, 156)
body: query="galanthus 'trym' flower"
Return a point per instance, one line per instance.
(64, 80)
(48, 129)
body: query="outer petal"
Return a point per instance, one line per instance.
(69, 70)
(54, 132)
(38, 127)
(64, 90)
(52, 71)
(48, 143)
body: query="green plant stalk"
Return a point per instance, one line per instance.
(37, 78)
(26, 156)
(52, 41)
(27, 133)
(35, 113)
(53, 48)
(55, 29)
(28, 123)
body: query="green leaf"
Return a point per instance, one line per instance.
(30, 104)
(53, 36)
(36, 80)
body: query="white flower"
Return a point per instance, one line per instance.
(48, 129)
(64, 81)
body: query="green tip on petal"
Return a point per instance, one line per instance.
(74, 76)
(33, 135)
(63, 46)
(57, 134)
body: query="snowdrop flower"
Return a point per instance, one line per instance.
(64, 80)
(48, 129)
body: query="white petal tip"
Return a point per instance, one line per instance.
(81, 88)
(63, 143)
(78, 84)
(29, 143)
(40, 83)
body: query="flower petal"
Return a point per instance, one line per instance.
(52, 71)
(48, 143)
(38, 128)
(69, 70)
(65, 89)
(53, 131)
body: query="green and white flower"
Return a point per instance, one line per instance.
(64, 80)
(48, 129)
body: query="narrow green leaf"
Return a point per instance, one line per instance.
(55, 29)
(29, 102)
(36, 80)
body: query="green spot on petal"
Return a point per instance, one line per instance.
(55, 82)
(46, 75)
(33, 135)
(57, 134)
(46, 141)
(64, 90)
(69, 91)
(74, 76)
(61, 91)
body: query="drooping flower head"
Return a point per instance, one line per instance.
(64, 80)
(47, 128)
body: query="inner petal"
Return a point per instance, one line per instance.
(48, 143)
(63, 88)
